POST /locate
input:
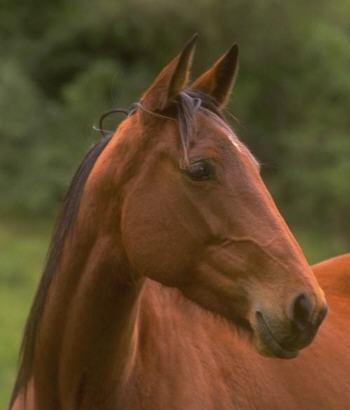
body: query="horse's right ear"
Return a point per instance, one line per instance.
(171, 80)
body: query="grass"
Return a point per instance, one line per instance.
(22, 252)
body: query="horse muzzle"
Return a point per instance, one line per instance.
(283, 339)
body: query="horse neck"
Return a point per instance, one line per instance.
(88, 333)
(100, 337)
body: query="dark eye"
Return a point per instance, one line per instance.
(200, 170)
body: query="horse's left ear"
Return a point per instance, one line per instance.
(171, 80)
(219, 80)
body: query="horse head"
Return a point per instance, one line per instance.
(195, 213)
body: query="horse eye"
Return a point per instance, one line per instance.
(200, 170)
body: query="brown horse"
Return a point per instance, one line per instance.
(168, 252)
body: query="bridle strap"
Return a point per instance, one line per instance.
(113, 111)
(128, 112)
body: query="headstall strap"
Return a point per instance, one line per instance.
(124, 111)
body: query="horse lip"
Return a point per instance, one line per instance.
(270, 342)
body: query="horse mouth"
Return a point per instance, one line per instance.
(268, 345)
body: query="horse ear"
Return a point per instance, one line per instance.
(218, 81)
(171, 80)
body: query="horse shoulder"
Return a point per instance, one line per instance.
(334, 275)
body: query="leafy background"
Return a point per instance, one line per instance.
(64, 62)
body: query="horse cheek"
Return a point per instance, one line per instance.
(151, 242)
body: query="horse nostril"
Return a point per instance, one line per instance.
(321, 315)
(301, 310)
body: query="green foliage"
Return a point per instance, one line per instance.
(65, 63)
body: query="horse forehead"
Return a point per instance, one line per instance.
(233, 139)
(220, 131)
(225, 134)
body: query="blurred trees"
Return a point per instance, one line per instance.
(63, 63)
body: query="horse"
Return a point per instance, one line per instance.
(172, 281)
